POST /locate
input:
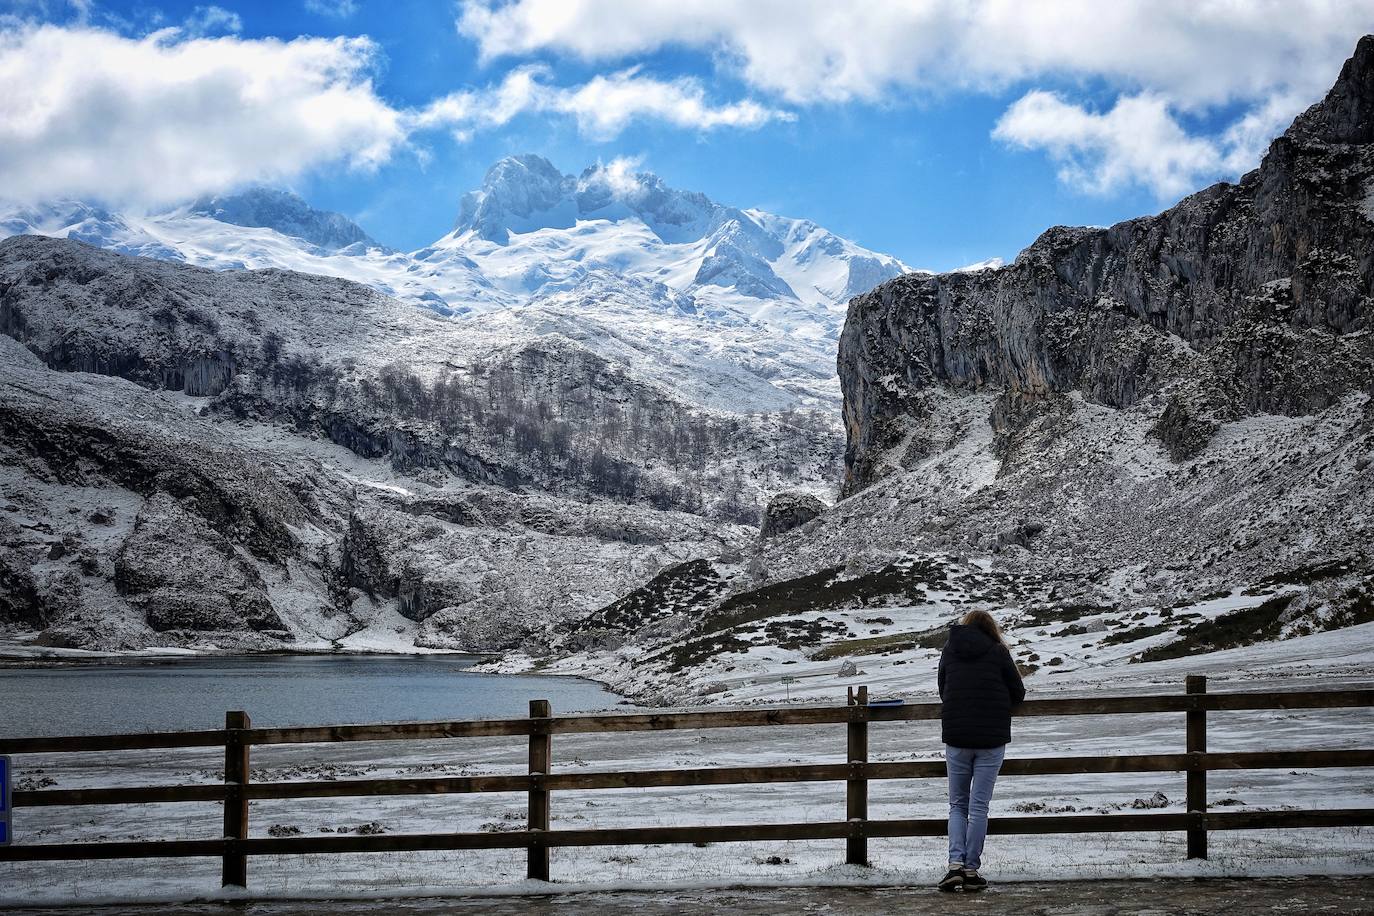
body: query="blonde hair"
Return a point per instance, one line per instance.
(985, 622)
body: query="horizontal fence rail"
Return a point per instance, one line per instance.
(726, 718)
(236, 792)
(706, 776)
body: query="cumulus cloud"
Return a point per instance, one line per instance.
(159, 119)
(619, 175)
(1202, 51)
(1164, 57)
(602, 107)
(1137, 141)
(163, 118)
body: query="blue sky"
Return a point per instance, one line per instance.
(941, 132)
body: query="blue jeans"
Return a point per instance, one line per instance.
(972, 774)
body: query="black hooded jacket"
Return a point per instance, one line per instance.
(979, 685)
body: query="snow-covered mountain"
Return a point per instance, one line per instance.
(627, 369)
(740, 307)
(1136, 445)
(532, 229)
(288, 214)
(244, 458)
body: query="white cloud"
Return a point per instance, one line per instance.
(1195, 51)
(160, 119)
(338, 9)
(1137, 142)
(1164, 57)
(1245, 141)
(88, 112)
(602, 107)
(618, 175)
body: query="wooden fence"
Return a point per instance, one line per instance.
(238, 737)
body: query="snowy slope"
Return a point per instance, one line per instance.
(532, 229)
(201, 234)
(739, 309)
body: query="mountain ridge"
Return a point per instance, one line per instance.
(758, 298)
(287, 213)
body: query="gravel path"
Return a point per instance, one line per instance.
(1234, 897)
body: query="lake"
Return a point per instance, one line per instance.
(132, 695)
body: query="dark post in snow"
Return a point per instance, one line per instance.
(856, 788)
(1195, 685)
(540, 758)
(235, 871)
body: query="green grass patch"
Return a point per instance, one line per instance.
(1062, 613)
(689, 585)
(1302, 575)
(1121, 637)
(902, 582)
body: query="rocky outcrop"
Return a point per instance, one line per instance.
(185, 576)
(787, 511)
(1243, 299)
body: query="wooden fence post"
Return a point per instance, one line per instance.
(235, 869)
(540, 760)
(856, 788)
(1195, 685)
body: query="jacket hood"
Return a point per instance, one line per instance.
(969, 641)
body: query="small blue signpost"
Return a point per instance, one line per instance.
(4, 801)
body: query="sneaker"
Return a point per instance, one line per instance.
(974, 881)
(953, 879)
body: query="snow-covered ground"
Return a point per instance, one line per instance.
(1323, 661)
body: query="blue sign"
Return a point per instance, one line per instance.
(4, 801)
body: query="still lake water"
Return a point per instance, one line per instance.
(132, 695)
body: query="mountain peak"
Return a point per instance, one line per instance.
(284, 212)
(1346, 115)
(527, 192)
(518, 193)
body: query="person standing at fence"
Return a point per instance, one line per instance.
(979, 686)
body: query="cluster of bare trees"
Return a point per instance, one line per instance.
(562, 421)
(616, 438)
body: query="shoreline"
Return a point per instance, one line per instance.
(44, 656)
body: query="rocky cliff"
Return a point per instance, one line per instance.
(1244, 299)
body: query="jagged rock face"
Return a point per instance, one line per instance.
(526, 192)
(1242, 299)
(513, 190)
(787, 511)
